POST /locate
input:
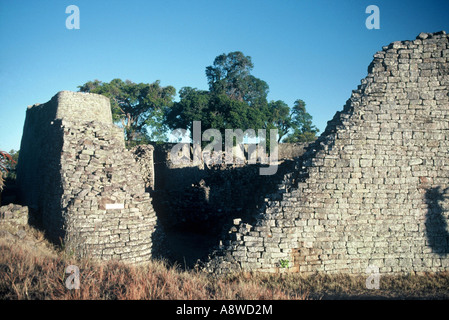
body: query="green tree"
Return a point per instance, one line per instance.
(280, 118)
(235, 100)
(7, 162)
(12, 164)
(238, 100)
(230, 74)
(301, 123)
(217, 111)
(139, 107)
(192, 106)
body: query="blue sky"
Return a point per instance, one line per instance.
(317, 51)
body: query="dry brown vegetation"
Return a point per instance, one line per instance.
(29, 273)
(26, 274)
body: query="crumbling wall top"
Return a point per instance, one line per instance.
(78, 106)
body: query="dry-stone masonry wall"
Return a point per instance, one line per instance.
(144, 156)
(373, 189)
(196, 202)
(205, 196)
(75, 172)
(14, 213)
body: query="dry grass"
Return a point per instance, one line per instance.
(28, 273)
(320, 286)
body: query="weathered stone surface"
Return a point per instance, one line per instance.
(143, 155)
(14, 213)
(373, 189)
(75, 172)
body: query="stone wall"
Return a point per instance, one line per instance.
(196, 203)
(171, 176)
(144, 156)
(204, 196)
(14, 213)
(68, 106)
(291, 150)
(74, 170)
(373, 189)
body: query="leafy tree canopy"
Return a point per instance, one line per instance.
(279, 117)
(230, 74)
(235, 100)
(301, 123)
(139, 107)
(7, 163)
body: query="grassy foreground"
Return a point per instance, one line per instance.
(27, 275)
(27, 272)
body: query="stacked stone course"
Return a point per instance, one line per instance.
(372, 190)
(85, 184)
(144, 156)
(14, 213)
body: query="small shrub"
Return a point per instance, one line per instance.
(6, 160)
(284, 263)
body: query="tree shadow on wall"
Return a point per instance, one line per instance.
(436, 222)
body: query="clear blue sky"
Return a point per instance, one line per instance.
(317, 51)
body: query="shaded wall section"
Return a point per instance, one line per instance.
(197, 203)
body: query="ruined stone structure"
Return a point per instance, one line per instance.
(144, 156)
(373, 189)
(81, 182)
(14, 213)
(197, 202)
